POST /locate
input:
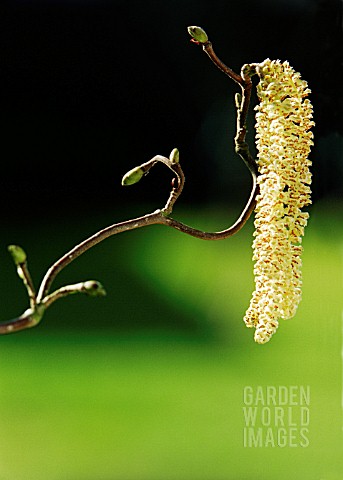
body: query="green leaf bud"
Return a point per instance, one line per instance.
(94, 288)
(174, 156)
(18, 254)
(198, 34)
(133, 176)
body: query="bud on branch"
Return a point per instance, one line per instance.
(280, 188)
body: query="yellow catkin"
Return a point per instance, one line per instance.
(284, 140)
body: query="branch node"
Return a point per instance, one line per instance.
(39, 303)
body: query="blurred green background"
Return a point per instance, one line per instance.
(147, 383)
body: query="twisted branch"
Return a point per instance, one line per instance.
(43, 299)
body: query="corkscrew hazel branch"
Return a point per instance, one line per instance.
(43, 299)
(242, 101)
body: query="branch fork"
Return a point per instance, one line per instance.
(40, 301)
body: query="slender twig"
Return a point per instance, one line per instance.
(200, 37)
(91, 288)
(157, 217)
(90, 242)
(240, 222)
(30, 318)
(43, 300)
(23, 322)
(207, 47)
(24, 273)
(247, 72)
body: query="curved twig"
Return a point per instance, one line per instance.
(150, 219)
(40, 302)
(240, 222)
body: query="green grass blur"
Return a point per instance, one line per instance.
(148, 382)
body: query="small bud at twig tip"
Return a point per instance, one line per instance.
(18, 254)
(133, 176)
(198, 34)
(174, 156)
(94, 289)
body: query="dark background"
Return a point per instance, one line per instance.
(147, 383)
(90, 89)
